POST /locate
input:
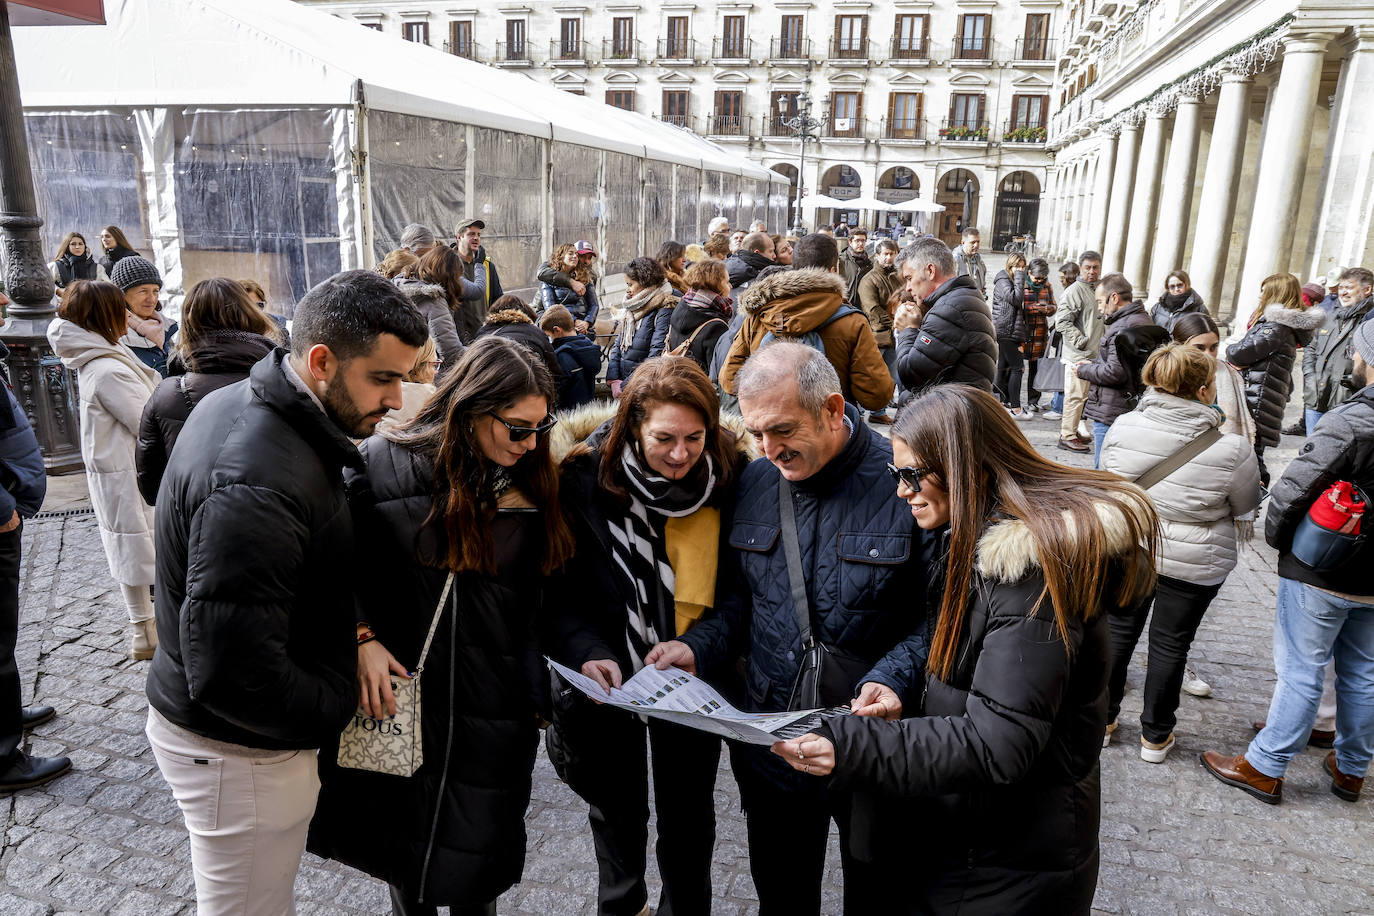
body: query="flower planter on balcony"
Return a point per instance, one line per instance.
(1025, 135)
(973, 134)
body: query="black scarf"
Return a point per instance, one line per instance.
(638, 548)
(1175, 301)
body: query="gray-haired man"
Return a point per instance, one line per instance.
(953, 341)
(821, 490)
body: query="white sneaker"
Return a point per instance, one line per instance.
(1194, 685)
(1155, 753)
(1021, 416)
(1052, 415)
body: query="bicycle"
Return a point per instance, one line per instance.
(1023, 245)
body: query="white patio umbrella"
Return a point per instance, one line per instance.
(821, 200)
(868, 202)
(916, 205)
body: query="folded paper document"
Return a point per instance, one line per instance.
(677, 696)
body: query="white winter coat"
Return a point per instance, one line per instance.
(1198, 502)
(114, 385)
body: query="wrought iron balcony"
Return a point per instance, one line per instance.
(729, 126)
(1023, 134)
(849, 48)
(732, 49)
(903, 129)
(1035, 49)
(683, 49)
(911, 48)
(790, 49)
(972, 49)
(466, 49)
(512, 52)
(567, 50)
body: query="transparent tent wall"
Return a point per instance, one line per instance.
(658, 205)
(687, 226)
(622, 195)
(576, 180)
(255, 198)
(87, 174)
(416, 174)
(508, 195)
(744, 214)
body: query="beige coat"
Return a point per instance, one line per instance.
(114, 386)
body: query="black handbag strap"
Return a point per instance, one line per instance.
(1190, 450)
(792, 551)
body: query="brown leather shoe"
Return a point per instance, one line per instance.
(1343, 786)
(1074, 445)
(1318, 738)
(1236, 771)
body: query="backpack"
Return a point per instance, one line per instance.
(811, 338)
(1133, 347)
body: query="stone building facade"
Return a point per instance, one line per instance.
(1233, 140)
(938, 99)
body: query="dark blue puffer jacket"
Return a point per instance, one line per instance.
(865, 582)
(23, 478)
(650, 338)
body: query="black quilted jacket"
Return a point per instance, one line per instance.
(954, 343)
(1266, 357)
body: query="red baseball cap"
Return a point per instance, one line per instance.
(585, 247)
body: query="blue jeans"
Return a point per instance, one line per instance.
(1312, 627)
(1312, 418)
(1057, 403)
(1099, 433)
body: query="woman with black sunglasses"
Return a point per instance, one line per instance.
(469, 489)
(647, 490)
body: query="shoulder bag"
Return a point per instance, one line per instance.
(828, 676)
(1181, 456)
(393, 746)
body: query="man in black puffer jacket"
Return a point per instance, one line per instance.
(1114, 373)
(255, 605)
(1320, 606)
(955, 339)
(755, 254)
(864, 584)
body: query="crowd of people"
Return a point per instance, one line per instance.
(430, 475)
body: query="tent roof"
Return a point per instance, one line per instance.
(268, 53)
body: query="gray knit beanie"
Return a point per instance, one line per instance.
(1364, 340)
(134, 271)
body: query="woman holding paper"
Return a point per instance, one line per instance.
(469, 488)
(992, 793)
(646, 487)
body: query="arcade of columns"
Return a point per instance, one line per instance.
(1129, 200)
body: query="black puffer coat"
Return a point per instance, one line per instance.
(1115, 379)
(1008, 296)
(954, 344)
(222, 358)
(696, 309)
(256, 574)
(1000, 769)
(491, 667)
(1166, 312)
(1266, 357)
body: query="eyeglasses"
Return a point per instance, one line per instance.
(1175, 286)
(1038, 280)
(908, 475)
(520, 433)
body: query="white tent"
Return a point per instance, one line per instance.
(916, 205)
(262, 138)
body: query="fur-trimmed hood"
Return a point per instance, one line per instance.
(790, 284)
(508, 316)
(1297, 319)
(577, 425)
(418, 291)
(1006, 551)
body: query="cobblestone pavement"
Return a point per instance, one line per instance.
(108, 838)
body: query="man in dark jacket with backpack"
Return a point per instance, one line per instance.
(23, 485)
(1325, 603)
(255, 602)
(806, 304)
(1114, 374)
(953, 341)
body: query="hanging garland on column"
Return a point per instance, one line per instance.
(1246, 58)
(1130, 28)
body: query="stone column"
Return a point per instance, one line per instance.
(1119, 210)
(1220, 183)
(1100, 202)
(1145, 202)
(45, 389)
(1283, 160)
(1056, 214)
(1347, 178)
(1176, 196)
(1045, 218)
(1078, 224)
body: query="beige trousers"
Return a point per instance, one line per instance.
(1075, 396)
(247, 815)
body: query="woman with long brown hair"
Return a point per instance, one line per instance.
(435, 285)
(648, 489)
(115, 246)
(467, 489)
(567, 280)
(993, 790)
(223, 333)
(74, 261)
(704, 313)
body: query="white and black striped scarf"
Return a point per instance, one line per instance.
(638, 549)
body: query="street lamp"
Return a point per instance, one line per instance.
(804, 126)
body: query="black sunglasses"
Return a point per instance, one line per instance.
(520, 433)
(908, 475)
